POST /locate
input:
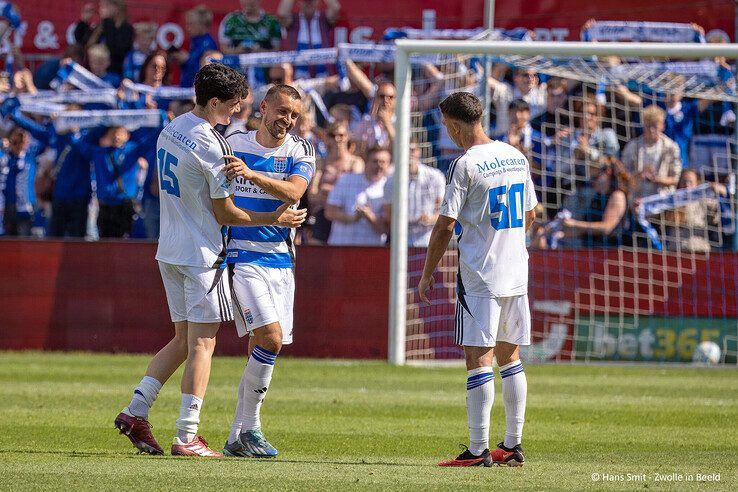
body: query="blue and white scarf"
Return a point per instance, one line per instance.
(132, 119)
(659, 32)
(75, 74)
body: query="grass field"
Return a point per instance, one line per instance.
(367, 425)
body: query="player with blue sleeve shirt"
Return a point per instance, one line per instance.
(489, 192)
(263, 258)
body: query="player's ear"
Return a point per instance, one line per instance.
(213, 103)
(262, 106)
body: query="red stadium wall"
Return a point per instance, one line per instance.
(108, 296)
(49, 21)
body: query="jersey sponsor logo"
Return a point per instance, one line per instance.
(497, 163)
(280, 164)
(180, 137)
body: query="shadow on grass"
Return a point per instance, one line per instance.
(109, 454)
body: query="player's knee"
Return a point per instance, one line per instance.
(202, 345)
(271, 342)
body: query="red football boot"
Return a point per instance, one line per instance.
(508, 456)
(138, 430)
(468, 459)
(197, 447)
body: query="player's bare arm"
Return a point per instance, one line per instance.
(289, 190)
(441, 235)
(530, 217)
(227, 213)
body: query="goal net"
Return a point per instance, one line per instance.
(648, 281)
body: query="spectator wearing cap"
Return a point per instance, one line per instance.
(308, 28)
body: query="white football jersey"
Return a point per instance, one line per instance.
(190, 162)
(268, 246)
(488, 191)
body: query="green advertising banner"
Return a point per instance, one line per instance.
(658, 339)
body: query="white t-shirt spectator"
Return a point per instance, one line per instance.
(425, 192)
(351, 191)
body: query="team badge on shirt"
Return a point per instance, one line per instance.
(248, 316)
(280, 164)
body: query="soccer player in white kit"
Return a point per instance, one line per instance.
(196, 205)
(263, 258)
(489, 192)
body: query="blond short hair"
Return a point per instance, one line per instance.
(203, 14)
(145, 28)
(98, 50)
(654, 114)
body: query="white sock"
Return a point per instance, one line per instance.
(514, 393)
(480, 394)
(251, 392)
(143, 397)
(189, 417)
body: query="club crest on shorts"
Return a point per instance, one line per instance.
(280, 164)
(248, 316)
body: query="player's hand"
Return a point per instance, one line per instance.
(236, 167)
(288, 217)
(425, 287)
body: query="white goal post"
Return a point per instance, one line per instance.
(407, 48)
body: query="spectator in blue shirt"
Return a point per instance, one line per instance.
(144, 39)
(72, 187)
(681, 117)
(199, 21)
(116, 163)
(17, 174)
(98, 59)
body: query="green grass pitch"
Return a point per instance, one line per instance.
(370, 426)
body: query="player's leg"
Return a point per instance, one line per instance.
(133, 420)
(255, 292)
(476, 329)
(207, 294)
(515, 331)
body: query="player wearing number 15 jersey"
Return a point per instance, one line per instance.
(489, 192)
(196, 205)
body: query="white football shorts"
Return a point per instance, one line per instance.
(261, 296)
(484, 321)
(197, 294)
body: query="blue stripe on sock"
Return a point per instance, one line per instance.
(479, 376)
(264, 356)
(474, 381)
(512, 371)
(266, 352)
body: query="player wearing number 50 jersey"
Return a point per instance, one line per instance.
(196, 205)
(489, 192)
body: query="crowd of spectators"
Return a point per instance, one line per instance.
(595, 152)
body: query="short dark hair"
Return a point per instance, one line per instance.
(217, 80)
(285, 89)
(462, 106)
(376, 149)
(519, 105)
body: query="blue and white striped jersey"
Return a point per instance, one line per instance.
(268, 246)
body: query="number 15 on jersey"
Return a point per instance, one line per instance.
(167, 179)
(506, 206)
